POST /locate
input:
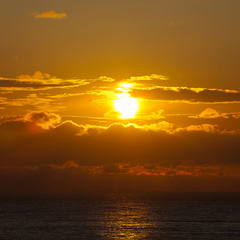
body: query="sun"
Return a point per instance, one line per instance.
(126, 105)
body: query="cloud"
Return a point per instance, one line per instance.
(160, 126)
(49, 180)
(26, 90)
(236, 115)
(149, 78)
(172, 24)
(106, 79)
(43, 119)
(50, 14)
(105, 88)
(112, 168)
(112, 114)
(203, 127)
(187, 94)
(38, 152)
(36, 101)
(68, 128)
(31, 123)
(118, 143)
(43, 79)
(210, 113)
(153, 116)
(39, 81)
(37, 75)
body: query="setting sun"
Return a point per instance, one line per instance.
(120, 96)
(126, 105)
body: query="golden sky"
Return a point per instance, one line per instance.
(119, 95)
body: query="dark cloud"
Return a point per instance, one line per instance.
(43, 119)
(51, 181)
(44, 81)
(32, 85)
(112, 168)
(95, 146)
(10, 118)
(38, 157)
(68, 128)
(205, 95)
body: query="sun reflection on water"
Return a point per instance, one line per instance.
(127, 220)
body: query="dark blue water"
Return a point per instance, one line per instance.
(137, 215)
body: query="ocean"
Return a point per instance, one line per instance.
(121, 215)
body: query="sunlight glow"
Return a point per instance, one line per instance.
(126, 85)
(126, 105)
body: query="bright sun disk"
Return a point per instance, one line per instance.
(126, 105)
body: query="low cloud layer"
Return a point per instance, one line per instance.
(93, 146)
(37, 144)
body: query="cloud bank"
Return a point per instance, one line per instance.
(37, 144)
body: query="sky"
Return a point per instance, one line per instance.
(137, 95)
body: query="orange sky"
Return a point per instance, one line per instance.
(119, 95)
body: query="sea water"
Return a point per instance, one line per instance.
(121, 215)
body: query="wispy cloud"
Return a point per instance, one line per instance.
(153, 116)
(39, 81)
(185, 94)
(50, 14)
(36, 76)
(112, 114)
(173, 24)
(203, 127)
(210, 113)
(149, 78)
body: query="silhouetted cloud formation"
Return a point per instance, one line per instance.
(204, 95)
(37, 145)
(94, 146)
